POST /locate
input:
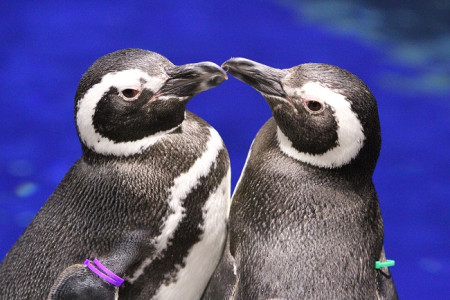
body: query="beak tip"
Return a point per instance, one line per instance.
(217, 74)
(225, 66)
(216, 80)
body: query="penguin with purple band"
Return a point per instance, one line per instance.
(142, 214)
(305, 222)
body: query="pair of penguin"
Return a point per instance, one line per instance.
(148, 201)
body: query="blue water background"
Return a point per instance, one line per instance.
(402, 51)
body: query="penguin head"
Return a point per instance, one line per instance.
(130, 98)
(326, 116)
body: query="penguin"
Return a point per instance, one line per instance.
(305, 221)
(142, 214)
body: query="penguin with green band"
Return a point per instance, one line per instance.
(305, 222)
(145, 206)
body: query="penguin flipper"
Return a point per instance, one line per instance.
(224, 281)
(386, 287)
(77, 282)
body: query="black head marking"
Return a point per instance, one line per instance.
(309, 133)
(326, 116)
(129, 98)
(124, 121)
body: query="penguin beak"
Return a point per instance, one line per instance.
(264, 79)
(186, 81)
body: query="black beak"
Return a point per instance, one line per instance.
(265, 79)
(188, 80)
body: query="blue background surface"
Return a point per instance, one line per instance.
(402, 53)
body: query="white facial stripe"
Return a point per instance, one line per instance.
(181, 188)
(163, 97)
(131, 79)
(350, 132)
(86, 110)
(203, 257)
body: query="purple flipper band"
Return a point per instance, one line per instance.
(103, 272)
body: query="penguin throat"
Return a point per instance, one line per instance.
(335, 157)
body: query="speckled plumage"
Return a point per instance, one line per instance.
(115, 205)
(305, 224)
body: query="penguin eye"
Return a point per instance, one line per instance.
(313, 106)
(130, 94)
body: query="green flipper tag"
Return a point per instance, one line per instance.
(382, 264)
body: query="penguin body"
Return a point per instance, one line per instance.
(305, 221)
(148, 198)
